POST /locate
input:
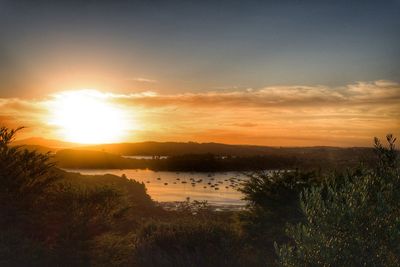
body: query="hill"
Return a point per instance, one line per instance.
(308, 159)
(195, 156)
(180, 148)
(42, 142)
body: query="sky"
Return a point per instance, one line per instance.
(280, 73)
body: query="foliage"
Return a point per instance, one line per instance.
(113, 249)
(187, 242)
(200, 209)
(75, 217)
(353, 221)
(269, 190)
(24, 177)
(44, 221)
(273, 198)
(272, 202)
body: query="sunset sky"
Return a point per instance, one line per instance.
(279, 73)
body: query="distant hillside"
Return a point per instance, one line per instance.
(40, 149)
(69, 158)
(317, 158)
(177, 148)
(109, 152)
(42, 142)
(131, 190)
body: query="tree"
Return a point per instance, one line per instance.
(353, 221)
(24, 178)
(45, 221)
(273, 201)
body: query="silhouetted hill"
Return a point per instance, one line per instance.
(69, 158)
(41, 149)
(130, 189)
(181, 148)
(182, 156)
(178, 148)
(305, 159)
(42, 142)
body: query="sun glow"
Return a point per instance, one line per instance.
(88, 117)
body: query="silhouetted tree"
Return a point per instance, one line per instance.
(43, 221)
(272, 202)
(25, 178)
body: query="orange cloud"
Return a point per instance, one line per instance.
(275, 115)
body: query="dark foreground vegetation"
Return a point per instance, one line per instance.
(348, 217)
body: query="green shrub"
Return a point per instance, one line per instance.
(353, 221)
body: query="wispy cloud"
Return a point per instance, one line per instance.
(143, 80)
(276, 115)
(358, 93)
(273, 115)
(245, 124)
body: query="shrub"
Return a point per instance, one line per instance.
(42, 221)
(187, 242)
(272, 202)
(354, 221)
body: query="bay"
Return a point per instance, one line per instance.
(217, 188)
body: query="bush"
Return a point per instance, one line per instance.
(353, 221)
(273, 200)
(42, 221)
(187, 242)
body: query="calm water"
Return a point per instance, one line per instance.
(217, 188)
(144, 157)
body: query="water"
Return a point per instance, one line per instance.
(144, 157)
(217, 188)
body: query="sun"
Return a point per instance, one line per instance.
(87, 117)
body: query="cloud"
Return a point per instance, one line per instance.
(143, 80)
(378, 92)
(245, 124)
(15, 112)
(273, 115)
(344, 115)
